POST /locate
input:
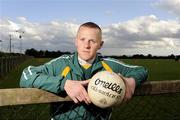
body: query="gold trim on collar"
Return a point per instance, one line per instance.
(86, 66)
(106, 66)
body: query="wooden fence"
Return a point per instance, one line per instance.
(10, 62)
(23, 96)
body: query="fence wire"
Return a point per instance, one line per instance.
(151, 107)
(10, 62)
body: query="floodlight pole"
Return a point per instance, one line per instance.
(10, 42)
(1, 44)
(20, 37)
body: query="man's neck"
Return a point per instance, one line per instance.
(83, 62)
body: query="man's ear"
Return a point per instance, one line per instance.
(101, 44)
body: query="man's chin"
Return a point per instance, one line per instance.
(86, 58)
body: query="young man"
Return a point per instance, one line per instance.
(69, 74)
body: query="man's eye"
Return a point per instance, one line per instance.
(82, 39)
(92, 41)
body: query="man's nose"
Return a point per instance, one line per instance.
(87, 45)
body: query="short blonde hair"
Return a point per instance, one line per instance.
(91, 25)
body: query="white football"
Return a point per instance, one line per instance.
(106, 89)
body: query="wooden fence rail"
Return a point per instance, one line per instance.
(23, 96)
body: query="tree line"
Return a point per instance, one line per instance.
(4, 54)
(149, 56)
(44, 53)
(53, 54)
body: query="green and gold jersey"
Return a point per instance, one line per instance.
(52, 76)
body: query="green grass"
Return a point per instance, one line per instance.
(156, 107)
(22, 112)
(11, 80)
(159, 69)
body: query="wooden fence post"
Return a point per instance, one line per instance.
(1, 67)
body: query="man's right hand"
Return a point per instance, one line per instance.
(76, 91)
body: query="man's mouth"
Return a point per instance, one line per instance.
(86, 51)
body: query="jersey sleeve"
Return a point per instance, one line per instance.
(139, 73)
(44, 77)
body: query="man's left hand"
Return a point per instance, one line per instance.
(130, 85)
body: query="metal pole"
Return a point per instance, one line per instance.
(20, 37)
(1, 44)
(10, 43)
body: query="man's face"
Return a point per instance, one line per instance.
(88, 42)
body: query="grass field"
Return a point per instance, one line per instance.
(159, 69)
(12, 79)
(166, 107)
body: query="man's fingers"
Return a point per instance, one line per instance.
(84, 92)
(80, 98)
(75, 100)
(85, 82)
(128, 95)
(86, 97)
(76, 91)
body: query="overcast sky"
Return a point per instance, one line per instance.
(129, 26)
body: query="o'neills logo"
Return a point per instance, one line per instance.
(107, 85)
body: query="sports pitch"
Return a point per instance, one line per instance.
(155, 107)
